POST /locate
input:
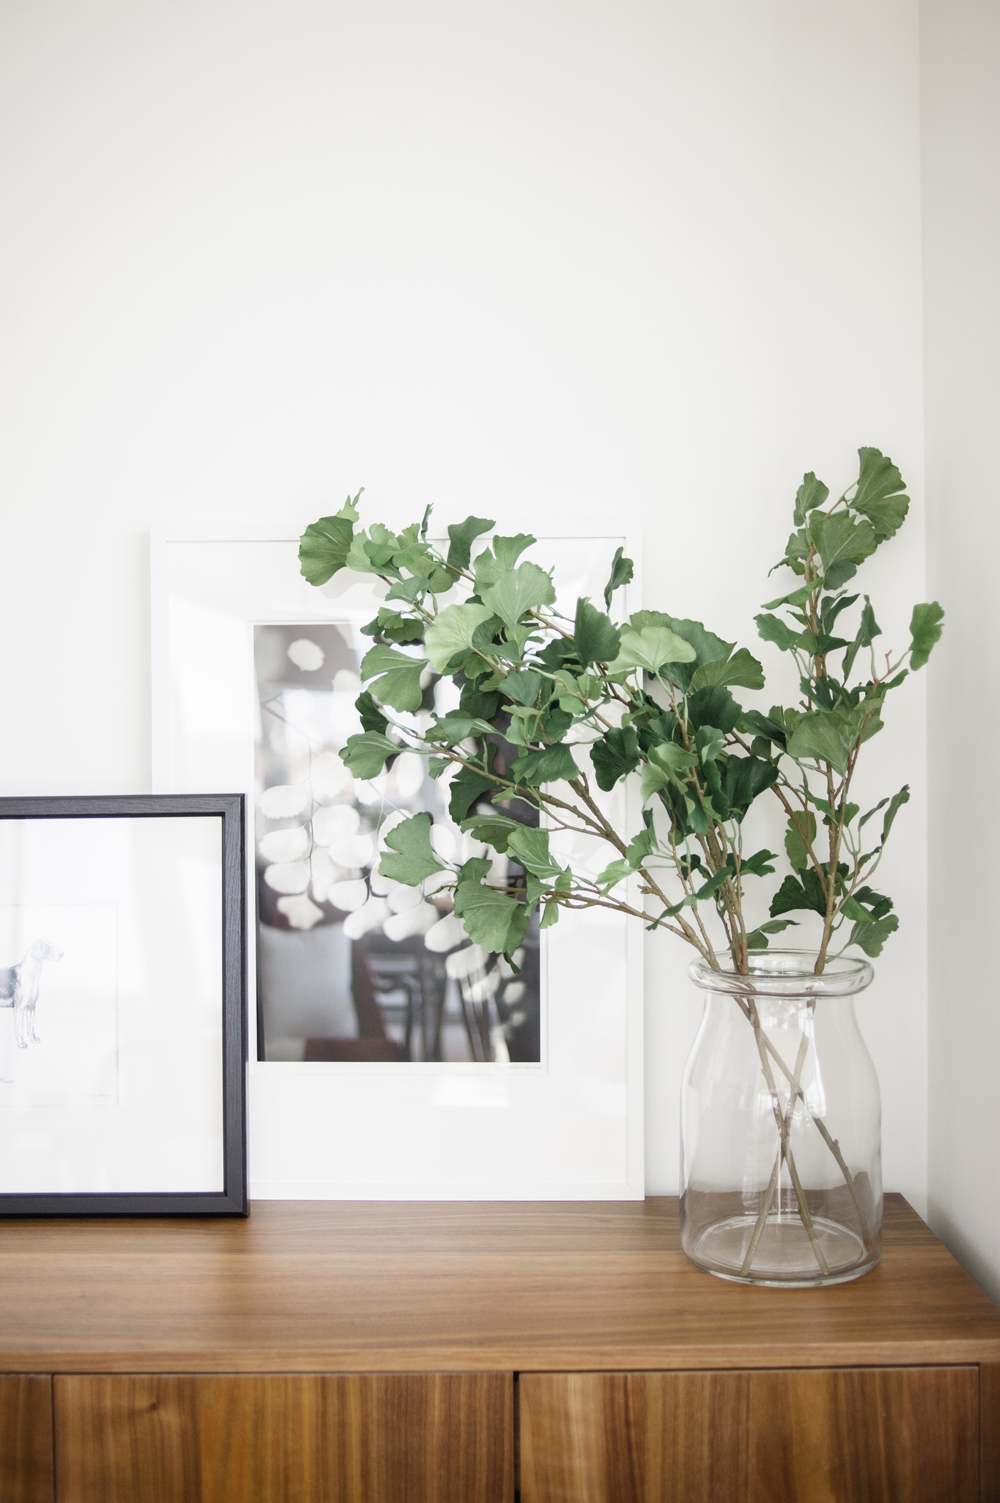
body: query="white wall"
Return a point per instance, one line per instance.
(567, 260)
(961, 136)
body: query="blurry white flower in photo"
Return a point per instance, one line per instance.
(371, 791)
(324, 874)
(288, 876)
(306, 654)
(443, 841)
(407, 775)
(402, 898)
(416, 920)
(348, 896)
(285, 845)
(352, 850)
(445, 934)
(346, 682)
(330, 778)
(335, 822)
(300, 911)
(463, 963)
(285, 800)
(371, 915)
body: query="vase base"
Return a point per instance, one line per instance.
(784, 1256)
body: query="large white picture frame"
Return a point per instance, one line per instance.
(567, 1128)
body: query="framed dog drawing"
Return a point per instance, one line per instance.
(122, 1005)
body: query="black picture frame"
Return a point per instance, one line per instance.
(232, 1201)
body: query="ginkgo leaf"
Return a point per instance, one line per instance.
(452, 633)
(519, 590)
(651, 648)
(410, 858)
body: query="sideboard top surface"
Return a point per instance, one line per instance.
(342, 1286)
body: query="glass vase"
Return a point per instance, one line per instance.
(781, 1174)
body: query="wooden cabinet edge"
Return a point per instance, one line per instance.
(509, 1360)
(989, 1432)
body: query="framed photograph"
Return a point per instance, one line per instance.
(122, 1006)
(388, 1055)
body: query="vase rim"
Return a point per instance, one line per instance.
(786, 973)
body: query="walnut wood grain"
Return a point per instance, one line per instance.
(440, 1438)
(841, 1436)
(989, 1432)
(418, 1287)
(26, 1439)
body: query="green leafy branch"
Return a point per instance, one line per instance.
(549, 701)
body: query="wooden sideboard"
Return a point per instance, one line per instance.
(469, 1353)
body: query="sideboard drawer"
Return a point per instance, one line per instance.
(831, 1435)
(26, 1438)
(386, 1438)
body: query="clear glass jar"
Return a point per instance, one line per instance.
(781, 1174)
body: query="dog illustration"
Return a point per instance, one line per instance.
(19, 989)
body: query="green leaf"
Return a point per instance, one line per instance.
(867, 906)
(552, 765)
(452, 633)
(621, 572)
(823, 736)
(747, 778)
(840, 539)
(491, 918)
(615, 755)
(367, 754)
(463, 535)
(408, 589)
(394, 626)
(469, 786)
(869, 628)
(414, 859)
(832, 608)
(741, 669)
(518, 590)
(372, 718)
(456, 727)
(325, 544)
(764, 725)
(399, 683)
(483, 706)
(493, 829)
(794, 894)
(708, 648)
(811, 494)
(530, 847)
(925, 630)
(373, 554)
(759, 864)
(796, 597)
(523, 688)
(714, 706)
(834, 578)
(597, 640)
(492, 564)
(895, 804)
(651, 648)
(773, 629)
(870, 937)
(757, 939)
(802, 828)
(877, 496)
(613, 873)
(667, 763)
